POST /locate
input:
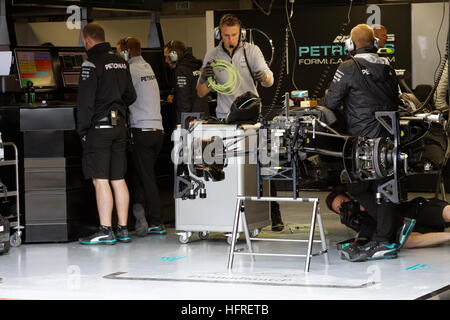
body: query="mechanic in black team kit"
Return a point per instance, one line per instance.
(364, 84)
(104, 93)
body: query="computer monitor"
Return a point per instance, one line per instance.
(155, 57)
(35, 65)
(70, 62)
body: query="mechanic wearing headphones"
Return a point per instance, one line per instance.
(147, 137)
(364, 84)
(186, 71)
(252, 67)
(104, 93)
(247, 57)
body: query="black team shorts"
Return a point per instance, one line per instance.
(105, 153)
(428, 214)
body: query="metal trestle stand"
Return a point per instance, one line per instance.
(240, 215)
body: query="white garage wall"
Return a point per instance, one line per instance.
(57, 33)
(190, 30)
(426, 18)
(34, 34)
(4, 37)
(118, 29)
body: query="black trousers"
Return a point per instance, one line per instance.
(145, 147)
(385, 214)
(427, 212)
(274, 205)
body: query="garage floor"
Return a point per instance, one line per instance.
(159, 267)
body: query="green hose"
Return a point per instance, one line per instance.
(232, 85)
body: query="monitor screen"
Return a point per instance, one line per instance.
(71, 62)
(155, 57)
(35, 66)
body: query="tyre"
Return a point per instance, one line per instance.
(255, 233)
(15, 240)
(229, 238)
(203, 235)
(185, 237)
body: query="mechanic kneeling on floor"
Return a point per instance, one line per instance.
(423, 225)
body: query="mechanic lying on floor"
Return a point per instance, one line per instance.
(420, 222)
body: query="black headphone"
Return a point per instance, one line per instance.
(125, 53)
(350, 46)
(173, 55)
(218, 35)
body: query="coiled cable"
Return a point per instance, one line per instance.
(323, 77)
(283, 68)
(272, 47)
(269, 9)
(277, 87)
(233, 83)
(436, 82)
(440, 69)
(289, 29)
